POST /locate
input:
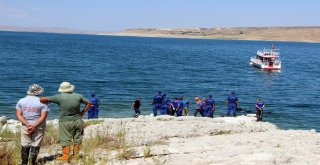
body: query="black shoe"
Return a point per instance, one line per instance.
(25, 155)
(34, 154)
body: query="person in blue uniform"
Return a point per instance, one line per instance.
(156, 102)
(209, 107)
(199, 107)
(93, 111)
(179, 111)
(175, 104)
(169, 112)
(259, 109)
(232, 104)
(185, 106)
(164, 105)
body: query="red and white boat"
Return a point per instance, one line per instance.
(267, 59)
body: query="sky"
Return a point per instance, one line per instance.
(117, 15)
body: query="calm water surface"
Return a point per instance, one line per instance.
(119, 69)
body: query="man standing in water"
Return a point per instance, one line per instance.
(259, 109)
(199, 107)
(156, 102)
(136, 107)
(32, 114)
(209, 107)
(232, 104)
(164, 105)
(93, 111)
(70, 122)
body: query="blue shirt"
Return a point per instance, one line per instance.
(260, 104)
(157, 99)
(175, 104)
(199, 105)
(165, 101)
(202, 104)
(210, 101)
(184, 103)
(181, 104)
(232, 99)
(94, 101)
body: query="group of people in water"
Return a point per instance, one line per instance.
(180, 106)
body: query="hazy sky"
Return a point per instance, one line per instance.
(112, 15)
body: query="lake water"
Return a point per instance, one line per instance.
(119, 69)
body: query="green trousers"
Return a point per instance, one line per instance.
(70, 132)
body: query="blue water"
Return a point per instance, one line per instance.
(119, 69)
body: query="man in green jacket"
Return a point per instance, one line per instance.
(70, 122)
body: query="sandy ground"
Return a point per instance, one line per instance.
(205, 141)
(295, 34)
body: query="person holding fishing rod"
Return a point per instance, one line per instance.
(259, 109)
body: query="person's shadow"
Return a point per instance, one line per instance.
(46, 159)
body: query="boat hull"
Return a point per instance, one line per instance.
(265, 67)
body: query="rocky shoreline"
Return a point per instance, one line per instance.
(202, 141)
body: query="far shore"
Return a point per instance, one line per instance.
(309, 34)
(290, 34)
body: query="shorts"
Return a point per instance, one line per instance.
(70, 132)
(34, 139)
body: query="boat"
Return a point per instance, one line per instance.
(267, 59)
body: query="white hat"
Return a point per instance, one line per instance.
(35, 90)
(66, 87)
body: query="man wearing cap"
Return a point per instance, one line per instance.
(32, 114)
(232, 104)
(156, 102)
(70, 122)
(209, 107)
(93, 111)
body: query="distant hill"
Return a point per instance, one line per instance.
(303, 34)
(40, 29)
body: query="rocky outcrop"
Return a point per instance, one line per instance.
(228, 140)
(201, 141)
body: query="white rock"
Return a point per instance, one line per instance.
(205, 141)
(3, 120)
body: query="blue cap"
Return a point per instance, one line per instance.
(159, 91)
(232, 92)
(92, 95)
(164, 95)
(210, 95)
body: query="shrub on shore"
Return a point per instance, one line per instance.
(51, 135)
(10, 155)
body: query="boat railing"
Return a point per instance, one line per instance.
(269, 52)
